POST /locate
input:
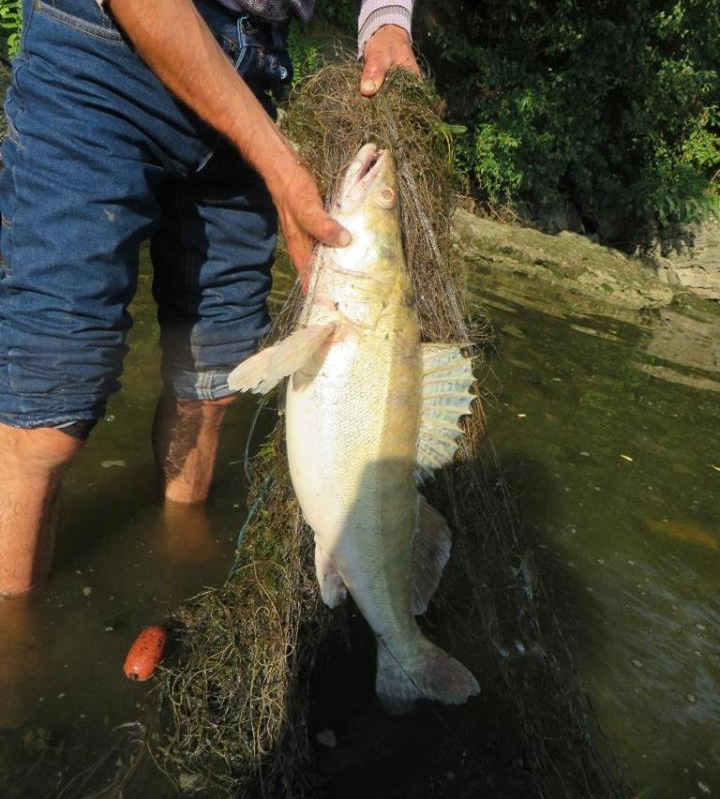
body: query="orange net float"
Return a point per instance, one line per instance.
(145, 654)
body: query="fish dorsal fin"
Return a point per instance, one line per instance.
(447, 378)
(431, 551)
(263, 371)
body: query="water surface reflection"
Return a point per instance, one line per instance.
(609, 433)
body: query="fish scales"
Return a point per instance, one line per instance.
(354, 412)
(355, 480)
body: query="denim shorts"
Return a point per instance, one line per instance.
(99, 158)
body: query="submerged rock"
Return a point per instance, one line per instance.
(591, 278)
(603, 277)
(697, 266)
(327, 738)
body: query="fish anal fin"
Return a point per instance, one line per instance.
(332, 588)
(447, 380)
(263, 371)
(431, 552)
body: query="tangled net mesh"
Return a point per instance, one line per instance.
(237, 706)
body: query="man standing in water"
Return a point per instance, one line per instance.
(130, 121)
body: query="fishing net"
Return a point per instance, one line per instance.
(264, 664)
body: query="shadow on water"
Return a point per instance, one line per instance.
(608, 433)
(528, 734)
(536, 496)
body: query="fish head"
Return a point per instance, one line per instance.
(367, 204)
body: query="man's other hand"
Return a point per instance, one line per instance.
(389, 46)
(304, 220)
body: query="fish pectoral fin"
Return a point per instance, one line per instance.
(332, 588)
(447, 380)
(431, 552)
(262, 372)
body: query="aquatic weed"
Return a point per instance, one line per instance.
(238, 702)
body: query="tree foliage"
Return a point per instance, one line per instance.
(611, 105)
(10, 25)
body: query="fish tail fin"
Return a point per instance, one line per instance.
(430, 674)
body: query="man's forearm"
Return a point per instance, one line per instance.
(205, 80)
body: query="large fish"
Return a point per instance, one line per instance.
(370, 413)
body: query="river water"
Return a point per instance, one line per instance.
(608, 435)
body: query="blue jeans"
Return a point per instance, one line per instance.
(100, 157)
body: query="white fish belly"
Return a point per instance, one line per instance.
(352, 422)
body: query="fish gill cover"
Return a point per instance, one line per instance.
(239, 709)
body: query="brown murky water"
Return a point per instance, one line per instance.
(609, 435)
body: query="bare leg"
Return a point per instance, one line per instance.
(185, 441)
(21, 659)
(187, 536)
(31, 466)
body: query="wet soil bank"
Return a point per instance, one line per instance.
(587, 276)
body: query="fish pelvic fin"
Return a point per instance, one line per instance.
(430, 674)
(431, 552)
(332, 588)
(447, 380)
(263, 371)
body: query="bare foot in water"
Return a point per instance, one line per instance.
(19, 660)
(187, 537)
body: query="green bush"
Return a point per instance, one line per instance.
(612, 106)
(10, 25)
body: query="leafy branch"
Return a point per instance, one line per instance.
(11, 24)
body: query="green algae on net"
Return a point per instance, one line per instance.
(260, 654)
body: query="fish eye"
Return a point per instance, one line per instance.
(386, 197)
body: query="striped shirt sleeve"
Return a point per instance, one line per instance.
(372, 16)
(376, 13)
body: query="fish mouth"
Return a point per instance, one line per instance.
(364, 170)
(368, 160)
(368, 169)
